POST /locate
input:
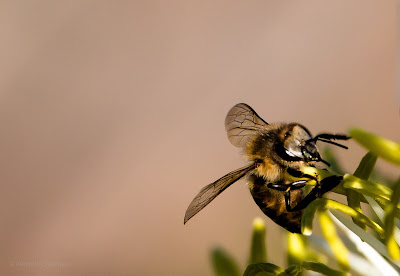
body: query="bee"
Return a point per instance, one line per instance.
(279, 155)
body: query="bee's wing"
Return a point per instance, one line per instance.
(241, 123)
(211, 191)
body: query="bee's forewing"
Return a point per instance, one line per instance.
(241, 123)
(211, 191)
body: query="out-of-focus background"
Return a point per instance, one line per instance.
(112, 119)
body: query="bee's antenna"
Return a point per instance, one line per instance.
(325, 162)
(326, 137)
(333, 143)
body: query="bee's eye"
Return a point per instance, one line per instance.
(287, 134)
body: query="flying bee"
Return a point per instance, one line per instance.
(280, 156)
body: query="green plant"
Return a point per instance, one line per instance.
(365, 245)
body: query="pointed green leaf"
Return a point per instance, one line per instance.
(322, 204)
(258, 252)
(363, 171)
(364, 235)
(297, 248)
(338, 248)
(376, 209)
(293, 270)
(333, 161)
(375, 259)
(366, 166)
(262, 269)
(323, 269)
(390, 211)
(366, 187)
(223, 263)
(386, 149)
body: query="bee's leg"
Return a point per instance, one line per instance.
(326, 185)
(297, 185)
(300, 174)
(312, 195)
(293, 186)
(279, 186)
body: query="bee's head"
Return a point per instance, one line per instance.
(299, 145)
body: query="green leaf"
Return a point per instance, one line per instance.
(389, 220)
(365, 236)
(293, 270)
(363, 171)
(366, 187)
(323, 269)
(308, 216)
(376, 209)
(332, 160)
(223, 263)
(297, 248)
(322, 204)
(258, 252)
(373, 251)
(262, 269)
(338, 248)
(386, 149)
(366, 166)
(383, 203)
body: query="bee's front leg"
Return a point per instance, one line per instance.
(328, 183)
(284, 187)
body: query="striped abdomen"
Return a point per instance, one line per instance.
(272, 203)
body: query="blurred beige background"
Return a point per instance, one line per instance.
(112, 119)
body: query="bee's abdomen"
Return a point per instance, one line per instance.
(272, 203)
